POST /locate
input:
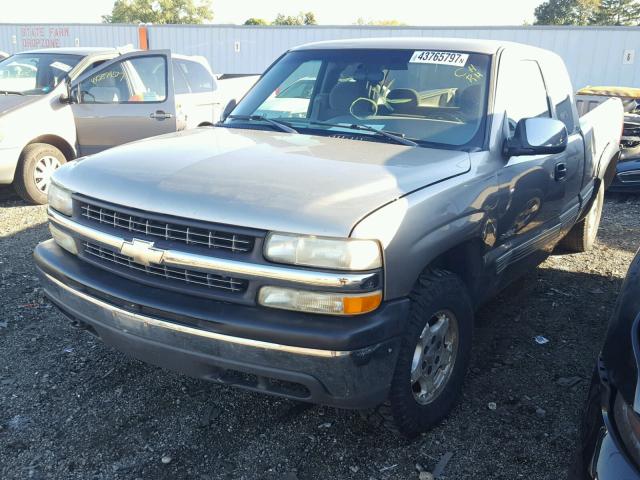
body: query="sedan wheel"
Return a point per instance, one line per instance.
(43, 171)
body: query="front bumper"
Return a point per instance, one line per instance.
(8, 161)
(343, 362)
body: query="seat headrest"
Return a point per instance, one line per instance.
(343, 94)
(470, 101)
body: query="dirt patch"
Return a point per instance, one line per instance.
(72, 408)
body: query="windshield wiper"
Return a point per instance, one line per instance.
(10, 92)
(279, 125)
(396, 137)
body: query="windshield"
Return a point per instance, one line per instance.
(35, 73)
(430, 97)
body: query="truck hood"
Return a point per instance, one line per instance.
(261, 179)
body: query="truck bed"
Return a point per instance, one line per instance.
(601, 122)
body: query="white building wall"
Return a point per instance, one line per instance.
(594, 55)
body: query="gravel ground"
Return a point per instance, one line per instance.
(72, 408)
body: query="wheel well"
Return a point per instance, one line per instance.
(206, 124)
(611, 171)
(58, 142)
(465, 260)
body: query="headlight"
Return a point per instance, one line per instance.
(341, 254)
(60, 199)
(319, 302)
(63, 239)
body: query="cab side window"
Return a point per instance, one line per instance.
(526, 93)
(179, 82)
(136, 80)
(197, 76)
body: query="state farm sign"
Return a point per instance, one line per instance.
(42, 36)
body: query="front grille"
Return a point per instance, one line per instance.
(166, 274)
(167, 230)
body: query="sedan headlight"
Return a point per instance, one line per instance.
(60, 199)
(323, 252)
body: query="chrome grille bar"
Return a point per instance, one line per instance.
(209, 280)
(168, 230)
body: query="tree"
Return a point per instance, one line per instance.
(617, 12)
(566, 12)
(381, 23)
(159, 11)
(310, 18)
(256, 21)
(302, 18)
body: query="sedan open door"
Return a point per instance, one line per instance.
(125, 99)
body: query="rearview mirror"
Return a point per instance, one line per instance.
(228, 109)
(537, 136)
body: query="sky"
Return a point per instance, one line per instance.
(328, 12)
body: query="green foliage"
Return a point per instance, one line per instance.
(617, 12)
(588, 12)
(256, 21)
(159, 11)
(303, 18)
(566, 12)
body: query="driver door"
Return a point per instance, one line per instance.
(128, 98)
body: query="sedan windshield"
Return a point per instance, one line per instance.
(34, 73)
(428, 97)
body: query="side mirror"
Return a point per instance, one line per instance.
(70, 95)
(228, 109)
(536, 136)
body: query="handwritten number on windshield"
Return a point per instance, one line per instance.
(470, 73)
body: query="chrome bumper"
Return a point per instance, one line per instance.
(351, 379)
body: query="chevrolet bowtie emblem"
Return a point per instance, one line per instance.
(142, 252)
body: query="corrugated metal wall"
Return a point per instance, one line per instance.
(15, 37)
(594, 56)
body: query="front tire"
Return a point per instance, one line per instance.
(37, 163)
(434, 356)
(582, 235)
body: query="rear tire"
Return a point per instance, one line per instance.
(582, 236)
(433, 360)
(37, 163)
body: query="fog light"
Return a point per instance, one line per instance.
(63, 239)
(319, 302)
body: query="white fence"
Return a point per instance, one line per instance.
(594, 56)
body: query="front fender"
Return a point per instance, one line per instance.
(418, 228)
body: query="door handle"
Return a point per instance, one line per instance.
(560, 172)
(160, 115)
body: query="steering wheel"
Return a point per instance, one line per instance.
(363, 108)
